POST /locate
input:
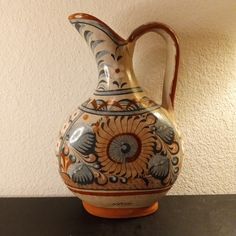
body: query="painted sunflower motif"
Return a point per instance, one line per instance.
(125, 145)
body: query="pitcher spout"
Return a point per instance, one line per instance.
(111, 52)
(84, 18)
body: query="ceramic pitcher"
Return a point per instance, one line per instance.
(120, 151)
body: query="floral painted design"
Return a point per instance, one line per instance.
(159, 166)
(109, 62)
(126, 106)
(117, 74)
(111, 68)
(119, 149)
(125, 145)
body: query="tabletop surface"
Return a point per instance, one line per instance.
(177, 215)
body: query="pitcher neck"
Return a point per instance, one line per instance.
(115, 69)
(111, 52)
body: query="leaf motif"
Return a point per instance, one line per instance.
(159, 166)
(101, 54)
(103, 65)
(87, 35)
(113, 56)
(102, 105)
(123, 84)
(82, 175)
(100, 88)
(82, 139)
(166, 133)
(102, 81)
(119, 57)
(100, 62)
(94, 43)
(101, 74)
(79, 27)
(116, 83)
(129, 105)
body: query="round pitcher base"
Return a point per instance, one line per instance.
(116, 213)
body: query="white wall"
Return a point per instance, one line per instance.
(46, 70)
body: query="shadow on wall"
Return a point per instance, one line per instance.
(207, 65)
(205, 97)
(207, 50)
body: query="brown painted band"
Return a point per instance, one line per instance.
(121, 193)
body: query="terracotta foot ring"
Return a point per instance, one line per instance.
(117, 213)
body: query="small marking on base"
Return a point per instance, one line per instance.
(120, 213)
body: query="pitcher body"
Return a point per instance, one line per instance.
(120, 151)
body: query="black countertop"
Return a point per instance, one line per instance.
(177, 215)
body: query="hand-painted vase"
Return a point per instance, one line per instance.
(120, 151)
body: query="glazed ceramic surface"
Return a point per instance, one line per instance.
(119, 149)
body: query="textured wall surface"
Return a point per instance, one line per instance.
(46, 70)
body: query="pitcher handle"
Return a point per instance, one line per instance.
(172, 62)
